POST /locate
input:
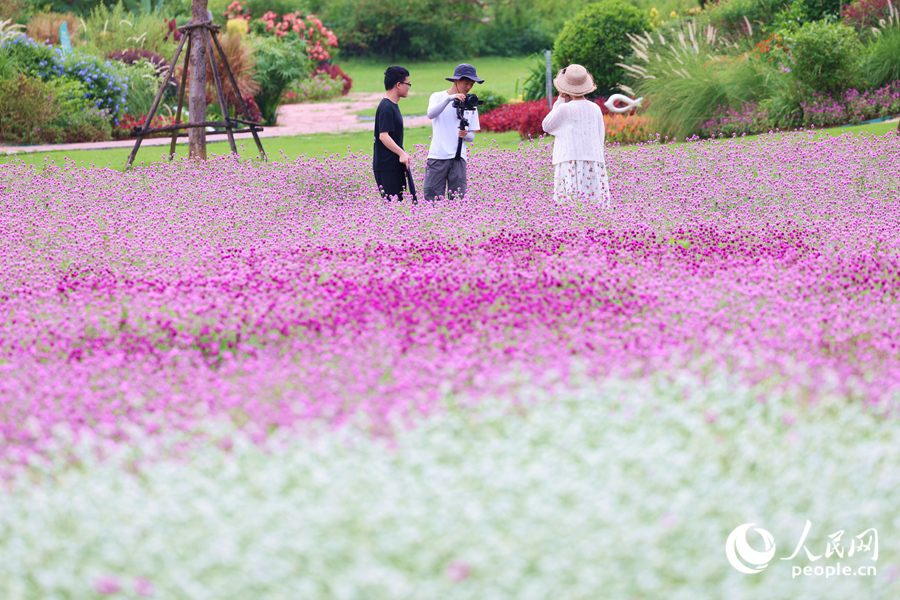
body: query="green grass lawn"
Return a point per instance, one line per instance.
(500, 76)
(280, 148)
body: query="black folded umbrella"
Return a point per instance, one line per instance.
(412, 186)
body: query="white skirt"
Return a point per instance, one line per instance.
(581, 180)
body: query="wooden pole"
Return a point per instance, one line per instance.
(197, 94)
(222, 103)
(181, 90)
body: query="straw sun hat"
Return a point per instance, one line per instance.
(575, 81)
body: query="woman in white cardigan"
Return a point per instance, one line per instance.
(577, 126)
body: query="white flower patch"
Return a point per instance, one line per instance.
(624, 489)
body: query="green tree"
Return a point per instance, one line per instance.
(597, 38)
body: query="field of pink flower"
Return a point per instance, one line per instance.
(158, 299)
(232, 380)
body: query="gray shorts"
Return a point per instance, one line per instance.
(443, 174)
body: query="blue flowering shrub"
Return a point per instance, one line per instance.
(26, 56)
(105, 81)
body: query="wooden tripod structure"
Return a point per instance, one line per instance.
(209, 36)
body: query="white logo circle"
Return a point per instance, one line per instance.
(739, 551)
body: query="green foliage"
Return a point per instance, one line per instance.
(596, 38)
(491, 101)
(143, 85)
(114, 28)
(882, 65)
(404, 29)
(278, 63)
(23, 55)
(687, 77)
(816, 10)
(33, 111)
(514, 29)
(826, 56)
(732, 16)
(535, 85)
(144, 7)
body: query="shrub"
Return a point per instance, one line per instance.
(106, 85)
(131, 122)
(816, 10)
(532, 116)
(142, 87)
(514, 32)
(596, 39)
(44, 27)
(535, 85)
(687, 78)
(278, 63)
(310, 29)
(627, 129)
(242, 60)
(33, 111)
(398, 29)
(745, 17)
(318, 87)
(90, 125)
(336, 72)
(28, 107)
(882, 65)
(826, 56)
(817, 110)
(508, 117)
(13, 10)
(135, 55)
(113, 28)
(865, 13)
(492, 100)
(27, 56)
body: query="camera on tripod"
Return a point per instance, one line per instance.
(470, 103)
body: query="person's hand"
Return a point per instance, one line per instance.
(404, 159)
(460, 97)
(463, 133)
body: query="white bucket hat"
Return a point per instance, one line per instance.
(574, 80)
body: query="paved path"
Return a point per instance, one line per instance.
(293, 119)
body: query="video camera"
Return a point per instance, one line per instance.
(470, 103)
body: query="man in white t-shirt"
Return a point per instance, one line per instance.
(443, 171)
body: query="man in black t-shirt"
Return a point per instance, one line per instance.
(391, 161)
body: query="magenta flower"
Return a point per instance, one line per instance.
(107, 584)
(458, 570)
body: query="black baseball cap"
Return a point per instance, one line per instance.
(465, 70)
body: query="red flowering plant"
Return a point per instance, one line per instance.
(129, 123)
(310, 29)
(336, 72)
(863, 14)
(510, 117)
(527, 117)
(237, 10)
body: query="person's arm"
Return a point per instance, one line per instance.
(390, 144)
(437, 105)
(602, 128)
(553, 120)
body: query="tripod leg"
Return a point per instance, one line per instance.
(184, 72)
(262, 153)
(222, 103)
(155, 105)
